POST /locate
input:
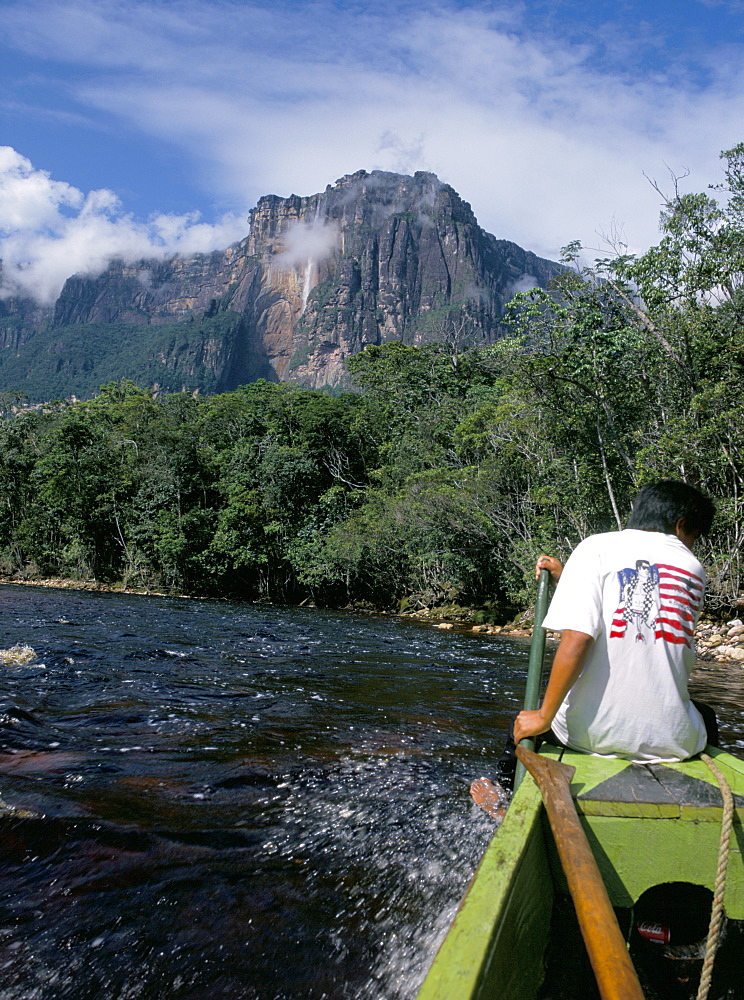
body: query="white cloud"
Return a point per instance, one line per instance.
(305, 241)
(524, 283)
(50, 230)
(30, 199)
(548, 138)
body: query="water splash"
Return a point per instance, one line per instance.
(380, 826)
(17, 655)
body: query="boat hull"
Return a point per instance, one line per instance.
(647, 825)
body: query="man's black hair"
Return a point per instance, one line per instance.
(659, 506)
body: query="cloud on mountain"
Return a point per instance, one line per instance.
(305, 241)
(50, 230)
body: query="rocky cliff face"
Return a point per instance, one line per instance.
(378, 257)
(375, 257)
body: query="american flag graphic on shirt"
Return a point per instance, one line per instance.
(657, 598)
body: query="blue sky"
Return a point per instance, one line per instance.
(146, 126)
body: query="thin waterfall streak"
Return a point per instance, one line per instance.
(306, 286)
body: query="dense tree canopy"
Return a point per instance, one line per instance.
(438, 480)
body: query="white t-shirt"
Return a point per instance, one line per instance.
(638, 593)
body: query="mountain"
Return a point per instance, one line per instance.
(375, 257)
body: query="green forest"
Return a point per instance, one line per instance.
(438, 481)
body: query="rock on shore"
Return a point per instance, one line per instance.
(722, 642)
(719, 641)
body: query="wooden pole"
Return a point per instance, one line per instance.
(613, 969)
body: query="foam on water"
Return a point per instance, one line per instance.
(17, 655)
(381, 823)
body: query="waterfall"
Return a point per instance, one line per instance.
(307, 283)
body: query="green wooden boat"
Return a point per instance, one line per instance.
(648, 825)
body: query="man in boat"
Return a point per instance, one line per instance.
(627, 603)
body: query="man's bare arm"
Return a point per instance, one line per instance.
(569, 661)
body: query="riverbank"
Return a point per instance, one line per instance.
(67, 583)
(716, 641)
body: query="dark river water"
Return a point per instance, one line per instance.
(227, 800)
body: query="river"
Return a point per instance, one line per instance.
(227, 800)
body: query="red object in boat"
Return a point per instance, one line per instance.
(657, 933)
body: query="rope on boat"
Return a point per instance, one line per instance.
(716, 916)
